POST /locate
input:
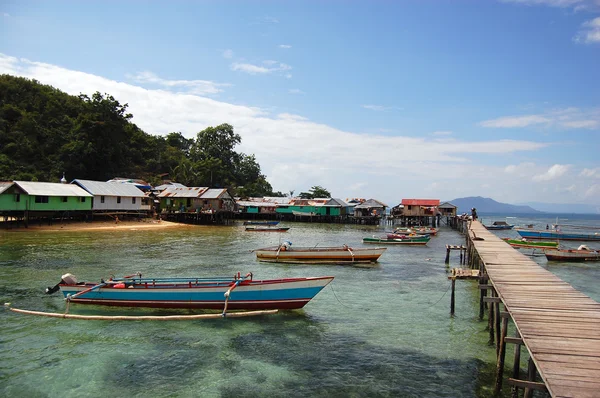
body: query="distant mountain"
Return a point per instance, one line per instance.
(487, 205)
(564, 208)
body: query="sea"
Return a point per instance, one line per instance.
(381, 331)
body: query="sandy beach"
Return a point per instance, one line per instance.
(96, 226)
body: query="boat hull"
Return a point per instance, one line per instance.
(266, 229)
(398, 241)
(324, 255)
(534, 244)
(573, 255)
(286, 294)
(550, 234)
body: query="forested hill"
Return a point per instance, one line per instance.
(45, 132)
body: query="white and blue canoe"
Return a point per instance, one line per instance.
(236, 293)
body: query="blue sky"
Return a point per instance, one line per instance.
(378, 99)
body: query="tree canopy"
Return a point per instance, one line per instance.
(45, 132)
(315, 192)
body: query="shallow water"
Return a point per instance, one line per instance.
(376, 332)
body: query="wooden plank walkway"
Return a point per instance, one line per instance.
(560, 326)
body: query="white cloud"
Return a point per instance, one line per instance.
(5, 14)
(554, 172)
(442, 133)
(200, 87)
(565, 118)
(593, 192)
(380, 108)
(514, 121)
(272, 66)
(590, 173)
(286, 46)
(575, 4)
(589, 32)
(296, 153)
(227, 53)
(295, 91)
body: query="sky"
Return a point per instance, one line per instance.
(367, 99)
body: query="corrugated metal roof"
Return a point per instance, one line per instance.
(169, 185)
(110, 188)
(188, 192)
(4, 185)
(52, 189)
(369, 204)
(247, 203)
(447, 205)
(421, 202)
(213, 193)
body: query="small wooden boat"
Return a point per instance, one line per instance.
(531, 244)
(583, 253)
(261, 222)
(416, 230)
(238, 292)
(554, 234)
(266, 228)
(406, 240)
(499, 225)
(285, 253)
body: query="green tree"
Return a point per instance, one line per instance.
(315, 192)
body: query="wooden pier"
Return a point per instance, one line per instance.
(557, 324)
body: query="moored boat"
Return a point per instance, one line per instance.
(238, 292)
(499, 225)
(553, 234)
(266, 228)
(416, 230)
(261, 222)
(583, 253)
(406, 240)
(531, 244)
(285, 253)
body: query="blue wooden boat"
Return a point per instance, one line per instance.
(553, 234)
(261, 222)
(238, 292)
(499, 225)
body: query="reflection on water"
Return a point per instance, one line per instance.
(382, 331)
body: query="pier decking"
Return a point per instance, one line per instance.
(559, 326)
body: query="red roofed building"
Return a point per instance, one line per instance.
(417, 208)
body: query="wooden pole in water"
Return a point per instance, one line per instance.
(447, 260)
(516, 365)
(452, 296)
(491, 319)
(528, 392)
(497, 325)
(500, 361)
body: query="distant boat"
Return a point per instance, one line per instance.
(285, 253)
(239, 292)
(583, 253)
(498, 225)
(531, 244)
(554, 234)
(261, 222)
(266, 228)
(406, 240)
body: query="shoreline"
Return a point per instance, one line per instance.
(96, 226)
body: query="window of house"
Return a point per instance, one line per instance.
(132, 200)
(118, 199)
(17, 197)
(41, 199)
(101, 199)
(83, 199)
(189, 202)
(64, 199)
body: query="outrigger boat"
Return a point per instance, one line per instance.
(529, 244)
(285, 253)
(266, 228)
(416, 230)
(557, 234)
(499, 225)
(261, 222)
(238, 293)
(583, 253)
(399, 240)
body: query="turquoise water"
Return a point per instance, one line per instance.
(373, 332)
